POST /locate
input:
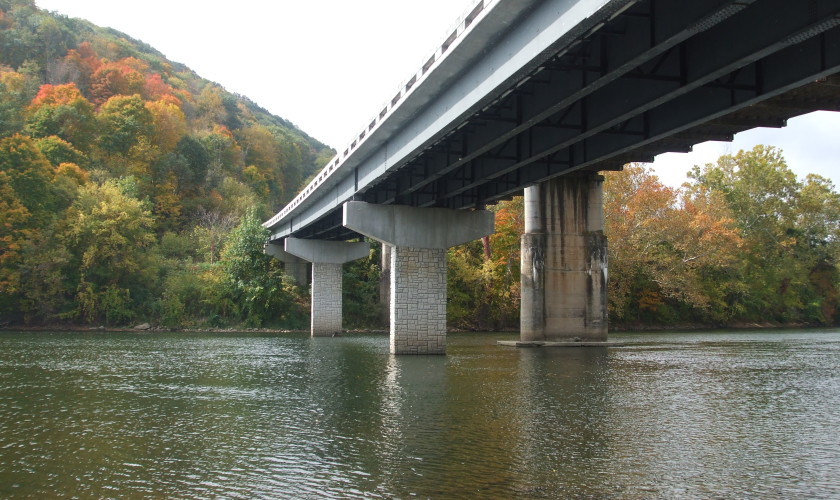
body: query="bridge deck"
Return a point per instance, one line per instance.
(530, 90)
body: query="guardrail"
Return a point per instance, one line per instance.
(456, 34)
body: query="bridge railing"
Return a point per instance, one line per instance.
(463, 25)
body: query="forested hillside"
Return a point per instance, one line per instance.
(130, 186)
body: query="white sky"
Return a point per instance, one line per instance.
(329, 65)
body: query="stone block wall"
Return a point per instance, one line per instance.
(326, 299)
(418, 301)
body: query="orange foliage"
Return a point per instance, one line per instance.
(117, 78)
(157, 89)
(57, 95)
(85, 59)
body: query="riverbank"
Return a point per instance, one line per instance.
(620, 328)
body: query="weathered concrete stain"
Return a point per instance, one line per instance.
(564, 261)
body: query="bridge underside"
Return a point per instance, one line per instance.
(631, 79)
(657, 77)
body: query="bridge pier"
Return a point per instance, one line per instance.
(385, 283)
(419, 238)
(327, 258)
(294, 267)
(564, 261)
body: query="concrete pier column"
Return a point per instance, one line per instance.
(385, 283)
(294, 267)
(564, 261)
(327, 258)
(420, 238)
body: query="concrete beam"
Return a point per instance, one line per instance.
(294, 267)
(327, 252)
(403, 226)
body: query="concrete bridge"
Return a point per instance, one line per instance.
(539, 96)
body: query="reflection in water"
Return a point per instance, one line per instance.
(562, 396)
(165, 415)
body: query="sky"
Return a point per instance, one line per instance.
(328, 66)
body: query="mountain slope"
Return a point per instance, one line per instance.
(122, 173)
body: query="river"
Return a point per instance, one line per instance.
(176, 415)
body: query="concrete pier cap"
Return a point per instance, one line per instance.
(294, 267)
(327, 258)
(404, 226)
(327, 252)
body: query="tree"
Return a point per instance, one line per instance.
(29, 175)
(169, 125)
(123, 121)
(57, 151)
(788, 264)
(62, 111)
(123, 77)
(15, 93)
(14, 231)
(256, 282)
(663, 248)
(112, 235)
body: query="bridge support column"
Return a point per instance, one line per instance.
(385, 283)
(294, 267)
(418, 300)
(327, 258)
(419, 238)
(564, 261)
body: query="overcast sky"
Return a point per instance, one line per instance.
(329, 65)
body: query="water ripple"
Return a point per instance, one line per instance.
(268, 416)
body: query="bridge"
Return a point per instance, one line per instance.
(539, 96)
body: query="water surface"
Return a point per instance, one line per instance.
(700, 415)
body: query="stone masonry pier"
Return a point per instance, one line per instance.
(419, 238)
(327, 258)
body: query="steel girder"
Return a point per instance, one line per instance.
(659, 76)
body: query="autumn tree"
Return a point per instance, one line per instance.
(663, 247)
(62, 111)
(15, 93)
(788, 267)
(123, 77)
(14, 232)
(169, 125)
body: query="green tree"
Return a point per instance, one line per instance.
(255, 281)
(123, 121)
(57, 151)
(112, 236)
(30, 175)
(789, 230)
(61, 110)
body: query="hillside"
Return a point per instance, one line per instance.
(120, 169)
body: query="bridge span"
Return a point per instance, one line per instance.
(539, 96)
